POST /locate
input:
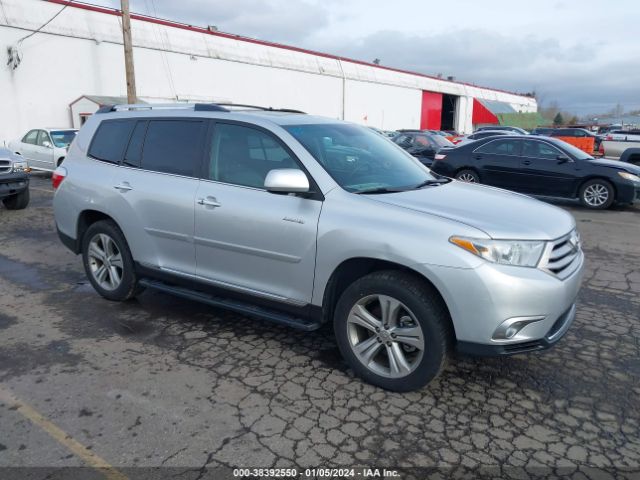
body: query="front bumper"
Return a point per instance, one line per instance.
(559, 328)
(13, 183)
(480, 300)
(627, 192)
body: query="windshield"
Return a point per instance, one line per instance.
(359, 159)
(575, 151)
(441, 141)
(63, 138)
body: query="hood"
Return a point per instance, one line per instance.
(499, 213)
(627, 167)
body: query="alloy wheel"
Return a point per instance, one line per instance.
(105, 261)
(466, 177)
(596, 195)
(385, 336)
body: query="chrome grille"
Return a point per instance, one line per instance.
(5, 166)
(562, 256)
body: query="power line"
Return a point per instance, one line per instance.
(44, 24)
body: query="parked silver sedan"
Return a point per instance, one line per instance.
(44, 148)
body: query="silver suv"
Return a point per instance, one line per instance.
(304, 220)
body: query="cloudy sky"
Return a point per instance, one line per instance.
(584, 54)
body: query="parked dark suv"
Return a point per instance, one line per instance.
(543, 166)
(14, 180)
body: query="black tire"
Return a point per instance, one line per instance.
(588, 196)
(18, 201)
(468, 175)
(59, 162)
(427, 308)
(128, 286)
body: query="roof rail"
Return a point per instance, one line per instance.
(197, 107)
(258, 107)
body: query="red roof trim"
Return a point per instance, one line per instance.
(184, 26)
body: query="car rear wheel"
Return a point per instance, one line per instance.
(392, 330)
(468, 176)
(597, 194)
(18, 201)
(108, 262)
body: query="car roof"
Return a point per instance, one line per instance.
(537, 138)
(281, 118)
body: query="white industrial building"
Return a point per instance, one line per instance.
(65, 69)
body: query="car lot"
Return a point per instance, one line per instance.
(162, 381)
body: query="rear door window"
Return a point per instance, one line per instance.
(31, 137)
(110, 140)
(174, 146)
(500, 147)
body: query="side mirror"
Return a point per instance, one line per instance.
(47, 144)
(286, 180)
(563, 159)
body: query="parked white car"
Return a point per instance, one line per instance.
(44, 148)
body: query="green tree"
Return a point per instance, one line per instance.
(558, 119)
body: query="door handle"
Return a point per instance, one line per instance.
(123, 187)
(208, 202)
(526, 162)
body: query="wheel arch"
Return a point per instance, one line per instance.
(595, 177)
(473, 168)
(352, 269)
(86, 218)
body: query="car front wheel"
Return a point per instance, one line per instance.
(18, 201)
(393, 330)
(597, 194)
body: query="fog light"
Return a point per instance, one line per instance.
(511, 332)
(510, 327)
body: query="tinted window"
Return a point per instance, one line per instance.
(540, 150)
(173, 146)
(110, 140)
(133, 155)
(422, 141)
(42, 138)
(500, 147)
(403, 140)
(243, 155)
(31, 137)
(440, 141)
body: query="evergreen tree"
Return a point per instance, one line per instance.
(558, 120)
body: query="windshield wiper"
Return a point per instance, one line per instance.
(381, 190)
(436, 181)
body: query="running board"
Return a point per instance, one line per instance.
(235, 305)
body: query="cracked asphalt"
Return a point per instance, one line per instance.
(165, 382)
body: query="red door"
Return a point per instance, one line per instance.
(431, 117)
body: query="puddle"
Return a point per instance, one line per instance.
(22, 274)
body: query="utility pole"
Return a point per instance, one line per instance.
(128, 52)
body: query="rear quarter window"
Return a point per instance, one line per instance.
(110, 140)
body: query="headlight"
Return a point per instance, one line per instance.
(522, 253)
(629, 176)
(21, 167)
